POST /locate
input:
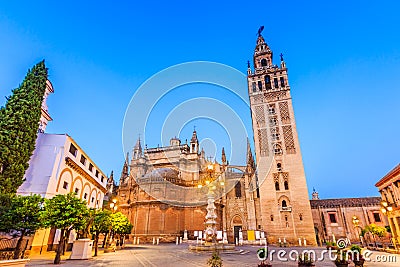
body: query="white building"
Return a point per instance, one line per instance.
(60, 166)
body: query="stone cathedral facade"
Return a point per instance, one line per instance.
(267, 196)
(163, 192)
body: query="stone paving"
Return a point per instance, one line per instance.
(166, 255)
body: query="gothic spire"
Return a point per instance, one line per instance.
(194, 137)
(138, 145)
(137, 150)
(125, 170)
(249, 157)
(223, 157)
(110, 184)
(262, 53)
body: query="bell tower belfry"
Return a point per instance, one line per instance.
(284, 204)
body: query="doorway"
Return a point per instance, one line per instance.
(236, 230)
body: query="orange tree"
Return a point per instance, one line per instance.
(22, 218)
(120, 225)
(101, 225)
(65, 212)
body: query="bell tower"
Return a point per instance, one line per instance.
(284, 204)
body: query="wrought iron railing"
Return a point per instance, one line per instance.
(8, 246)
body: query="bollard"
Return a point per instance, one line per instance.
(158, 240)
(138, 240)
(305, 242)
(154, 240)
(180, 240)
(299, 241)
(134, 240)
(236, 241)
(177, 241)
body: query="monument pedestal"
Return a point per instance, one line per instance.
(82, 249)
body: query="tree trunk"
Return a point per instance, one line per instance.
(60, 248)
(18, 248)
(108, 239)
(67, 234)
(104, 240)
(96, 243)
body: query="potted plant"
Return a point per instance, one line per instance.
(356, 256)
(215, 260)
(305, 260)
(342, 259)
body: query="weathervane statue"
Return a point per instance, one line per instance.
(260, 30)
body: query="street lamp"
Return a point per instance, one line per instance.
(386, 209)
(356, 221)
(113, 205)
(113, 208)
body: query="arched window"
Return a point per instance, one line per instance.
(301, 217)
(264, 62)
(277, 186)
(286, 184)
(260, 85)
(276, 82)
(267, 82)
(282, 82)
(279, 167)
(277, 149)
(284, 205)
(238, 189)
(272, 218)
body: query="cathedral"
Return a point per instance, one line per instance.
(163, 190)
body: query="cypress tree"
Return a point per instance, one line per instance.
(19, 123)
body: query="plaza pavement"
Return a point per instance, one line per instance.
(167, 255)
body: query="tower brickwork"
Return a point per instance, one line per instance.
(284, 211)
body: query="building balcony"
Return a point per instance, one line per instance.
(288, 209)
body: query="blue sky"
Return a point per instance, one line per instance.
(343, 59)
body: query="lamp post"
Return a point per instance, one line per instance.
(113, 205)
(113, 208)
(386, 209)
(356, 222)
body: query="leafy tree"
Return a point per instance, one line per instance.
(23, 218)
(101, 224)
(120, 225)
(126, 229)
(65, 212)
(19, 123)
(375, 231)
